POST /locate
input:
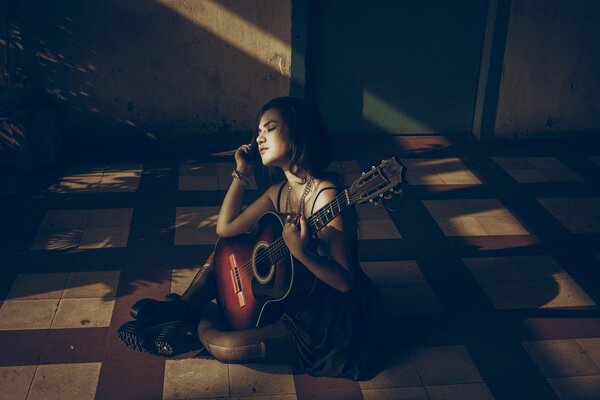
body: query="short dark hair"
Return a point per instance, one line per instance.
(311, 148)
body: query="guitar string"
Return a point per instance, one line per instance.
(279, 248)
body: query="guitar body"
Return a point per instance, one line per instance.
(255, 273)
(250, 289)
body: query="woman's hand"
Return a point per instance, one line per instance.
(296, 236)
(243, 159)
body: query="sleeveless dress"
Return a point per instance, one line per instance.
(336, 334)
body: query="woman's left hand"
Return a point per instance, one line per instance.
(296, 237)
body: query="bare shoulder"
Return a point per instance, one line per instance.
(273, 192)
(325, 192)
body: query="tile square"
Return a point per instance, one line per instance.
(195, 379)
(38, 286)
(512, 295)
(266, 379)
(83, 182)
(57, 219)
(394, 273)
(15, 381)
(120, 182)
(465, 225)
(409, 299)
(561, 293)
(580, 223)
(83, 313)
(469, 391)
(27, 314)
(404, 393)
(65, 382)
(196, 225)
(102, 238)
(473, 217)
(374, 229)
(445, 365)
(367, 212)
(501, 225)
(444, 171)
(579, 387)
(192, 168)
(492, 269)
(110, 217)
(560, 358)
(98, 284)
(401, 373)
(528, 176)
(577, 214)
(537, 169)
(189, 183)
(57, 239)
(592, 348)
(537, 267)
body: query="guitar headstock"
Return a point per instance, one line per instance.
(381, 182)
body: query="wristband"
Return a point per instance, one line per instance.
(243, 178)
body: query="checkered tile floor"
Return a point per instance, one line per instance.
(488, 265)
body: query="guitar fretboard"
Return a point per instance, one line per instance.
(277, 250)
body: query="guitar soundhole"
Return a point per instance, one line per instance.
(263, 269)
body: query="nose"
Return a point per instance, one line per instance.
(260, 138)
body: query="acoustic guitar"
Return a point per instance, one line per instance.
(255, 272)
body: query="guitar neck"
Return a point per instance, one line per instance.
(277, 250)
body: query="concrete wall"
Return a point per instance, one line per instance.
(156, 69)
(550, 81)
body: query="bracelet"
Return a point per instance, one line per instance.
(243, 178)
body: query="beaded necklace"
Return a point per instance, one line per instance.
(307, 188)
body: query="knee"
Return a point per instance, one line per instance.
(227, 347)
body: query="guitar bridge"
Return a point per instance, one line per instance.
(236, 281)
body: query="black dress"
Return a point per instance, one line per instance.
(336, 334)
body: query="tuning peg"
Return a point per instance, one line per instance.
(387, 196)
(376, 200)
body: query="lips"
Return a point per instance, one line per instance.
(262, 149)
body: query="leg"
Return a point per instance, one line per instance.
(270, 343)
(202, 289)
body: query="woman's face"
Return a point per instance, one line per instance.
(272, 140)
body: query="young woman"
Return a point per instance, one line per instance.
(332, 332)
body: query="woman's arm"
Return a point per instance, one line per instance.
(232, 221)
(333, 262)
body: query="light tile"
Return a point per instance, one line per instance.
(101, 238)
(576, 388)
(393, 273)
(577, 214)
(561, 293)
(65, 382)
(505, 225)
(537, 169)
(268, 397)
(110, 217)
(512, 295)
(57, 219)
(460, 177)
(266, 379)
(560, 358)
(15, 381)
(401, 373)
(407, 393)
(445, 365)
(27, 314)
(537, 267)
(195, 379)
(374, 229)
(410, 299)
(592, 348)
(580, 223)
(57, 239)
(80, 183)
(371, 212)
(191, 168)
(99, 284)
(528, 176)
(465, 225)
(120, 182)
(83, 313)
(38, 286)
(423, 178)
(196, 225)
(469, 391)
(124, 168)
